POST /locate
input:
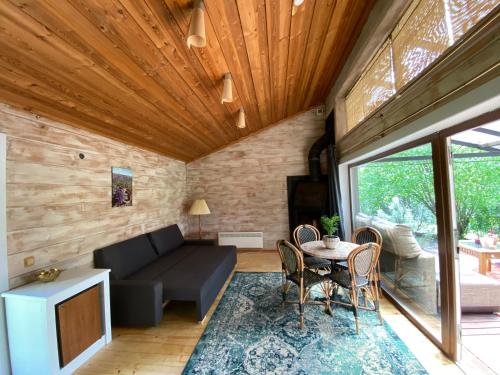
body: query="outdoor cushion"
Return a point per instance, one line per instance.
(166, 239)
(404, 243)
(126, 257)
(363, 220)
(479, 293)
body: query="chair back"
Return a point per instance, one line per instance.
(292, 260)
(305, 233)
(365, 235)
(363, 259)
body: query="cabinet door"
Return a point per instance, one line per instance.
(78, 324)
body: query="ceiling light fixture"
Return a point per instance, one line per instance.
(227, 91)
(196, 35)
(241, 119)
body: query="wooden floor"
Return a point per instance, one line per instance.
(165, 349)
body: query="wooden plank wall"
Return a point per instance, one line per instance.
(59, 206)
(245, 184)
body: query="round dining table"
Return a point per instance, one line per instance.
(318, 249)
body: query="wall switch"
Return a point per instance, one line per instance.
(29, 261)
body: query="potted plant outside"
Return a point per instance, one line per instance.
(330, 226)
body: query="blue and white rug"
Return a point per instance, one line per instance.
(251, 333)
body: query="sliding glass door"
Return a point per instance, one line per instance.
(430, 200)
(475, 181)
(395, 195)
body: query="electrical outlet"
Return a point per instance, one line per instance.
(29, 261)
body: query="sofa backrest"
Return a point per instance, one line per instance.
(125, 258)
(166, 239)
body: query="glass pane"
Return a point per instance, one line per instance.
(395, 195)
(419, 39)
(476, 180)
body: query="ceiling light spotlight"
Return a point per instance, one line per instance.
(241, 119)
(196, 35)
(227, 91)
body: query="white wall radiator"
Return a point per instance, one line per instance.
(253, 240)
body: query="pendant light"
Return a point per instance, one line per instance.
(227, 91)
(196, 35)
(241, 119)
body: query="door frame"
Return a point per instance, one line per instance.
(4, 268)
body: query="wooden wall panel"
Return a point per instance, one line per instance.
(245, 184)
(59, 206)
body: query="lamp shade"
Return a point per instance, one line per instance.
(199, 207)
(227, 91)
(196, 34)
(241, 119)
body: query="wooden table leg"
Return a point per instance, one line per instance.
(483, 263)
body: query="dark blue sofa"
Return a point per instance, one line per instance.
(152, 268)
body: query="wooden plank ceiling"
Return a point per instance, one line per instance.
(121, 68)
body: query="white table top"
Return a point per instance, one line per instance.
(66, 280)
(318, 249)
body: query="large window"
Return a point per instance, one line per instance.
(426, 30)
(395, 195)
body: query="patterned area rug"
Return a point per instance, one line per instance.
(250, 333)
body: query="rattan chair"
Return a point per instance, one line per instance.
(294, 272)
(307, 233)
(364, 235)
(357, 279)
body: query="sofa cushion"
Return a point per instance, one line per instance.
(189, 278)
(125, 258)
(165, 263)
(363, 220)
(166, 239)
(384, 227)
(403, 241)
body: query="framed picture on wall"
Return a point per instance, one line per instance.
(121, 187)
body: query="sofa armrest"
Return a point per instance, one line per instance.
(136, 302)
(201, 242)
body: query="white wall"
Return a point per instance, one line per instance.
(4, 274)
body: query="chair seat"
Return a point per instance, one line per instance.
(315, 262)
(343, 278)
(310, 278)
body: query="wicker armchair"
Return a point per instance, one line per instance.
(358, 279)
(292, 263)
(307, 233)
(366, 235)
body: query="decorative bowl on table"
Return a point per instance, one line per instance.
(48, 276)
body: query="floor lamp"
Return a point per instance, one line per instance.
(199, 207)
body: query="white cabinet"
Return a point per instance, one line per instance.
(35, 314)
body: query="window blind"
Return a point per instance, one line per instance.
(420, 38)
(464, 14)
(425, 31)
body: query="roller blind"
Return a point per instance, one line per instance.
(420, 37)
(464, 14)
(374, 87)
(425, 31)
